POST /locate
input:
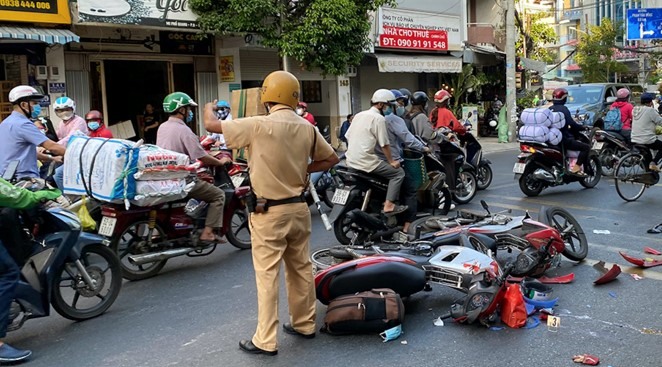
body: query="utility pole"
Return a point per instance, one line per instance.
(511, 100)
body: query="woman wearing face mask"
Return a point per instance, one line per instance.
(94, 120)
(302, 110)
(65, 108)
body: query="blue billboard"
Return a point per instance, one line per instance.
(644, 24)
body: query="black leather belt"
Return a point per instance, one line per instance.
(292, 200)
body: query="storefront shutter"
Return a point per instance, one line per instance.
(207, 91)
(78, 89)
(256, 65)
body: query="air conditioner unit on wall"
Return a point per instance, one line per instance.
(41, 72)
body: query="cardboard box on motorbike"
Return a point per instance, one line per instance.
(246, 103)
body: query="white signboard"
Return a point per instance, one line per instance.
(158, 13)
(409, 19)
(419, 64)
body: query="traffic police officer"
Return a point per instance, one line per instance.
(284, 148)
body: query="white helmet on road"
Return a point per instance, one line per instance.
(383, 96)
(24, 92)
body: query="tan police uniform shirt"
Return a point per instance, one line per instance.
(280, 145)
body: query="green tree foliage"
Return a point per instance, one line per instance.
(461, 83)
(325, 34)
(535, 34)
(595, 51)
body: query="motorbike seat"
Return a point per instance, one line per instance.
(366, 176)
(403, 278)
(613, 135)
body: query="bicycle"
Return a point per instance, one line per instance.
(632, 176)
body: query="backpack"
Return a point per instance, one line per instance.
(365, 312)
(613, 120)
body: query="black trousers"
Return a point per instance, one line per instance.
(658, 147)
(583, 148)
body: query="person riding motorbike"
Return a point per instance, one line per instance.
(419, 117)
(401, 108)
(302, 110)
(175, 135)
(21, 136)
(13, 251)
(65, 109)
(223, 113)
(96, 126)
(441, 116)
(625, 107)
(570, 130)
(367, 131)
(399, 137)
(643, 128)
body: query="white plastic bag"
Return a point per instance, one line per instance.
(558, 120)
(554, 136)
(533, 133)
(536, 117)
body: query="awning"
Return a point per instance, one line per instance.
(48, 35)
(483, 56)
(418, 64)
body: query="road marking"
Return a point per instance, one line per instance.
(556, 203)
(502, 186)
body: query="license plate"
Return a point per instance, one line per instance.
(107, 226)
(237, 180)
(519, 168)
(340, 196)
(597, 145)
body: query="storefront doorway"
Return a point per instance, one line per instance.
(129, 85)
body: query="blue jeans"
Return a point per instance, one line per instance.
(9, 275)
(58, 177)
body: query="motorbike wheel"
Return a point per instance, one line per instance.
(324, 259)
(239, 233)
(443, 200)
(129, 243)
(576, 244)
(466, 188)
(484, 176)
(591, 181)
(342, 227)
(529, 185)
(629, 168)
(104, 268)
(607, 163)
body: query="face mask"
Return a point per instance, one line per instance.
(400, 111)
(392, 333)
(299, 111)
(93, 125)
(223, 114)
(36, 110)
(388, 110)
(65, 115)
(189, 117)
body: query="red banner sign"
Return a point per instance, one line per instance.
(414, 39)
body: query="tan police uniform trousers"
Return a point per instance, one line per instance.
(283, 232)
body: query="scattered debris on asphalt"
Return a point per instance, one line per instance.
(601, 231)
(636, 277)
(641, 262)
(607, 274)
(438, 322)
(587, 359)
(613, 294)
(652, 251)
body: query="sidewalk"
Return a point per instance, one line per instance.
(492, 145)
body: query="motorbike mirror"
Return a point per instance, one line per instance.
(485, 206)
(610, 100)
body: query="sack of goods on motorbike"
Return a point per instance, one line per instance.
(111, 170)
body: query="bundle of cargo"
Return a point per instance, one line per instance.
(541, 125)
(246, 103)
(121, 171)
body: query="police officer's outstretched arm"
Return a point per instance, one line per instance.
(212, 123)
(19, 198)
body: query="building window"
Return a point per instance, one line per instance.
(311, 91)
(3, 73)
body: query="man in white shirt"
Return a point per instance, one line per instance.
(367, 131)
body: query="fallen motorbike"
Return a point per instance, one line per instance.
(610, 147)
(73, 271)
(365, 192)
(146, 237)
(540, 165)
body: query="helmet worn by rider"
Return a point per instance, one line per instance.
(442, 96)
(23, 93)
(222, 104)
(623, 93)
(94, 115)
(382, 96)
(174, 101)
(398, 95)
(647, 98)
(303, 105)
(560, 95)
(281, 87)
(419, 98)
(64, 103)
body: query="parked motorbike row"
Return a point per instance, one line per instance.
(471, 252)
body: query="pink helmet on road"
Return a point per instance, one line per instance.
(623, 93)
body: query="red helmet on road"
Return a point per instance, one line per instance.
(560, 95)
(442, 96)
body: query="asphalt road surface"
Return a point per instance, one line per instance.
(195, 311)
